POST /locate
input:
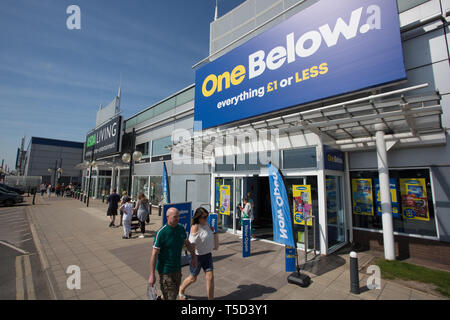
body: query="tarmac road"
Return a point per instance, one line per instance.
(21, 274)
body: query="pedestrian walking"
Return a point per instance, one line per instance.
(166, 255)
(49, 190)
(127, 210)
(247, 213)
(124, 194)
(42, 188)
(143, 211)
(113, 204)
(203, 237)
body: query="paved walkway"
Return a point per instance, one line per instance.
(115, 268)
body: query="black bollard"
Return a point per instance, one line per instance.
(159, 211)
(354, 276)
(34, 196)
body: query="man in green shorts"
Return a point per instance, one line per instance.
(166, 255)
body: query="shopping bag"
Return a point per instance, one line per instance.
(151, 292)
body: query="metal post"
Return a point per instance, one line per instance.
(89, 187)
(385, 194)
(34, 196)
(354, 276)
(133, 138)
(159, 210)
(56, 167)
(306, 240)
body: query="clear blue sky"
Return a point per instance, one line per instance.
(52, 80)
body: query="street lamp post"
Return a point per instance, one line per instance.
(89, 164)
(130, 158)
(56, 172)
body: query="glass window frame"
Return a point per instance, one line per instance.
(153, 147)
(397, 173)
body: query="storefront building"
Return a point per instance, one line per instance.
(154, 128)
(360, 132)
(345, 201)
(102, 153)
(53, 160)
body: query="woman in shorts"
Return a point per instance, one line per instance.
(203, 237)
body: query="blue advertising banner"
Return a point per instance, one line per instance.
(394, 198)
(328, 49)
(165, 185)
(185, 214)
(245, 238)
(334, 159)
(212, 221)
(290, 259)
(281, 214)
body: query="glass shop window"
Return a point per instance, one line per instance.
(411, 200)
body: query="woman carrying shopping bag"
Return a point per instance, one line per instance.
(205, 241)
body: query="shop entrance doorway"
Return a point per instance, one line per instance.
(256, 189)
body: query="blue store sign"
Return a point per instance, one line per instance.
(329, 49)
(212, 221)
(290, 261)
(184, 209)
(245, 238)
(334, 159)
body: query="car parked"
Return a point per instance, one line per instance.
(9, 198)
(11, 189)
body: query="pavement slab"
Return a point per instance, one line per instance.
(117, 269)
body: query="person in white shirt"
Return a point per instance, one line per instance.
(43, 188)
(203, 237)
(247, 213)
(127, 209)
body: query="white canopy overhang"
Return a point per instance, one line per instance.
(350, 125)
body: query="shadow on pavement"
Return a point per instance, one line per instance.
(247, 292)
(229, 242)
(261, 252)
(244, 292)
(323, 264)
(218, 258)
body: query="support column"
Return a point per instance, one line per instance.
(321, 190)
(385, 194)
(348, 199)
(113, 179)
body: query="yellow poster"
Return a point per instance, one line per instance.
(224, 207)
(414, 199)
(362, 197)
(302, 203)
